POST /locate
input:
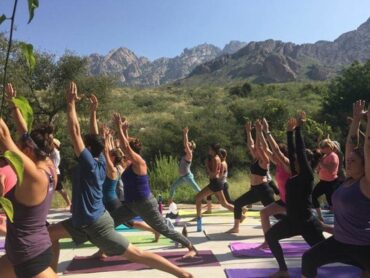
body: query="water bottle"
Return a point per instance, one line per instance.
(199, 224)
(160, 203)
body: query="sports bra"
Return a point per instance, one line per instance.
(257, 170)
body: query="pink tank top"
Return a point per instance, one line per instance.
(281, 177)
(325, 174)
(11, 178)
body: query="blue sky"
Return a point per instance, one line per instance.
(157, 28)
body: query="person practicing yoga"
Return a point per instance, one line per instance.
(328, 173)
(224, 175)
(278, 155)
(215, 171)
(113, 158)
(259, 190)
(28, 246)
(55, 157)
(350, 243)
(299, 219)
(90, 221)
(138, 198)
(186, 176)
(8, 180)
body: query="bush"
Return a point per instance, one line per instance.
(162, 173)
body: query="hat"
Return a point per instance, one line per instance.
(56, 142)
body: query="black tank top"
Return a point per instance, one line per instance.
(257, 170)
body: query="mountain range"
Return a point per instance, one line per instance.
(263, 62)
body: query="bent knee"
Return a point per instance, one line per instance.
(133, 253)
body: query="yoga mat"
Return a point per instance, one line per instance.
(244, 249)
(123, 228)
(145, 240)
(191, 213)
(83, 265)
(2, 244)
(323, 272)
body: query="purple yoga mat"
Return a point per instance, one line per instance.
(245, 249)
(84, 265)
(324, 272)
(2, 244)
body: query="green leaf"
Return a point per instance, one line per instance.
(17, 164)
(32, 5)
(2, 18)
(27, 52)
(7, 207)
(24, 106)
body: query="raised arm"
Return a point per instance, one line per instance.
(292, 123)
(189, 153)
(111, 169)
(277, 155)
(32, 175)
(73, 124)
(250, 142)
(353, 133)
(93, 121)
(261, 144)
(135, 158)
(20, 123)
(304, 165)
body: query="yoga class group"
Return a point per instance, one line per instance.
(111, 187)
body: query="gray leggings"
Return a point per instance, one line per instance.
(148, 211)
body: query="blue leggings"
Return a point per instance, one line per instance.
(189, 179)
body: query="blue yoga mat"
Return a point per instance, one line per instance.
(128, 229)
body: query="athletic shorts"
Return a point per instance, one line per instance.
(101, 233)
(35, 265)
(215, 185)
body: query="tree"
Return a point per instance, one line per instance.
(351, 85)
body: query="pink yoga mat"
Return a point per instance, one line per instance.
(245, 249)
(83, 265)
(324, 272)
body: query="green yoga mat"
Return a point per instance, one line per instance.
(190, 213)
(144, 240)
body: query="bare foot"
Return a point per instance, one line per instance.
(242, 218)
(263, 246)
(156, 236)
(244, 210)
(187, 275)
(191, 254)
(280, 274)
(67, 208)
(233, 231)
(97, 255)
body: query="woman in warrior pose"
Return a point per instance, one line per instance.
(260, 189)
(350, 243)
(186, 176)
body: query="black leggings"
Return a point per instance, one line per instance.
(258, 193)
(333, 251)
(274, 187)
(227, 194)
(310, 230)
(323, 187)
